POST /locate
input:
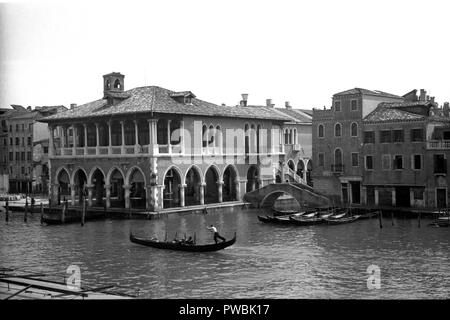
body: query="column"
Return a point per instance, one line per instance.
(74, 139)
(411, 198)
(182, 190)
(85, 139)
(220, 191)
(182, 137)
(72, 193)
(51, 145)
(122, 124)
(97, 140)
(242, 189)
(136, 137)
(238, 190)
(158, 196)
(202, 192)
(90, 189)
(148, 198)
(169, 148)
(63, 139)
(108, 195)
(376, 196)
(109, 137)
(364, 195)
(152, 132)
(127, 196)
(394, 200)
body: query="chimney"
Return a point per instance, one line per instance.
(73, 106)
(269, 103)
(446, 109)
(287, 105)
(244, 100)
(423, 94)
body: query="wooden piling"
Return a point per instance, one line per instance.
(25, 214)
(380, 218)
(83, 212)
(7, 211)
(63, 213)
(418, 219)
(42, 213)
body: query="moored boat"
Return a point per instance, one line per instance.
(179, 246)
(341, 220)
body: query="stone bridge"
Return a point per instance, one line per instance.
(304, 194)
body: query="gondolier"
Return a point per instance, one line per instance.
(216, 233)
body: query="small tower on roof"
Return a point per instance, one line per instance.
(113, 82)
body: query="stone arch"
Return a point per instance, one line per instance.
(172, 182)
(338, 130)
(97, 180)
(301, 167)
(252, 178)
(135, 179)
(72, 176)
(62, 178)
(108, 175)
(116, 180)
(212, 178)
(79, 178)
(309, 169)
(291, 164)
(230, 183)
(91, 173)
(193, 181)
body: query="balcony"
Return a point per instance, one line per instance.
(297, 147)
(440, 170)
(438, 144)
(337, 168)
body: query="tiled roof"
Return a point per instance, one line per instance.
(385, 112)
(157, 99)
(369, 92)
(307, 111)
(295, 114)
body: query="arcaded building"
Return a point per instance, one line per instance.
(153, 148)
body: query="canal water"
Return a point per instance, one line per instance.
(267, 261)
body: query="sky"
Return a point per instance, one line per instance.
(54, 53)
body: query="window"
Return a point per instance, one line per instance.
(29, 141)
(29, 155)
(397, 136)
(23, 141)
(17, 127)
(17, 141)
(398, 162)
(30, 127)
(22, 156)
(418, 193)
(45, 149)
(11, 156)
(337, 106)
(416, 135)
(386, 162)
(17, 156)
(337, 130)
(440, 163)
(417, 162)
(369, 137)
(369, 162)
(354, 105)
(320, 131)
(385, 136)
(321, 160)
(355, 159)
(354, 129)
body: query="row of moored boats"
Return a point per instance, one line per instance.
(305, 218)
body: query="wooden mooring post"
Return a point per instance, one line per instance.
(83, 212)
(42, 213)
(32, 205)
(25, 214)
(7, 211)
(380, 218)
(63, 213)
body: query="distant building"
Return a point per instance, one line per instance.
(26, 169)
(337, 142)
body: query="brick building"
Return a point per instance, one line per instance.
(154, 148)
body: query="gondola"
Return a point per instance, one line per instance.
(341, 220)
(182, 246)
(306, 222)
(275, 220)
(370, 214)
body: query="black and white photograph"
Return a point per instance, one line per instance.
(224, 150)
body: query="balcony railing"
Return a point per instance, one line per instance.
(337, 168)
(440, 170)
(438, 144)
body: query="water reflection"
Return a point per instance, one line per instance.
(266, 261)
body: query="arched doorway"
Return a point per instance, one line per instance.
(172, 182)
(117, 190)
(64, 185)
(192, 192)
(80, 180)
(98, 181)
(252, 178)
(211, 180)
(137, 189)
(301, 168)
(229, 184)
(291, 165)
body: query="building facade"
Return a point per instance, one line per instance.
(337, 142)
(152, 148)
